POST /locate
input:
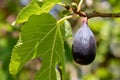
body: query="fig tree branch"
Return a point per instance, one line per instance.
(94, 14)
(98, 14)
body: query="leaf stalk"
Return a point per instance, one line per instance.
(79, 6)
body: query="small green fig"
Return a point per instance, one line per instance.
(84, 45)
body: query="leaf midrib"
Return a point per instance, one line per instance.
(52, 51)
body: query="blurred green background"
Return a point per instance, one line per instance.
(106, 65)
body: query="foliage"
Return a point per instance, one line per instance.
(42, 36)
(46, 42)
(43, 49)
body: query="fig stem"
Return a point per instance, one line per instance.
(84, 19)
(79, 6)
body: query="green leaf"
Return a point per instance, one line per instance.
(34, 8)
(42, 37)
(26, 12)
(68, 42)
(68, 30)
(68, 52)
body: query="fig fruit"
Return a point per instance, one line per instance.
(84, 45)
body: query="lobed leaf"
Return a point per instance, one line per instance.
(34, 8)
(42, 37)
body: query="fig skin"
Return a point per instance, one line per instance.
(84, 45)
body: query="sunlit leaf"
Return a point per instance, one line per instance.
(42, 37)
(34, 8)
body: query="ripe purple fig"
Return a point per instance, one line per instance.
(84, 45)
